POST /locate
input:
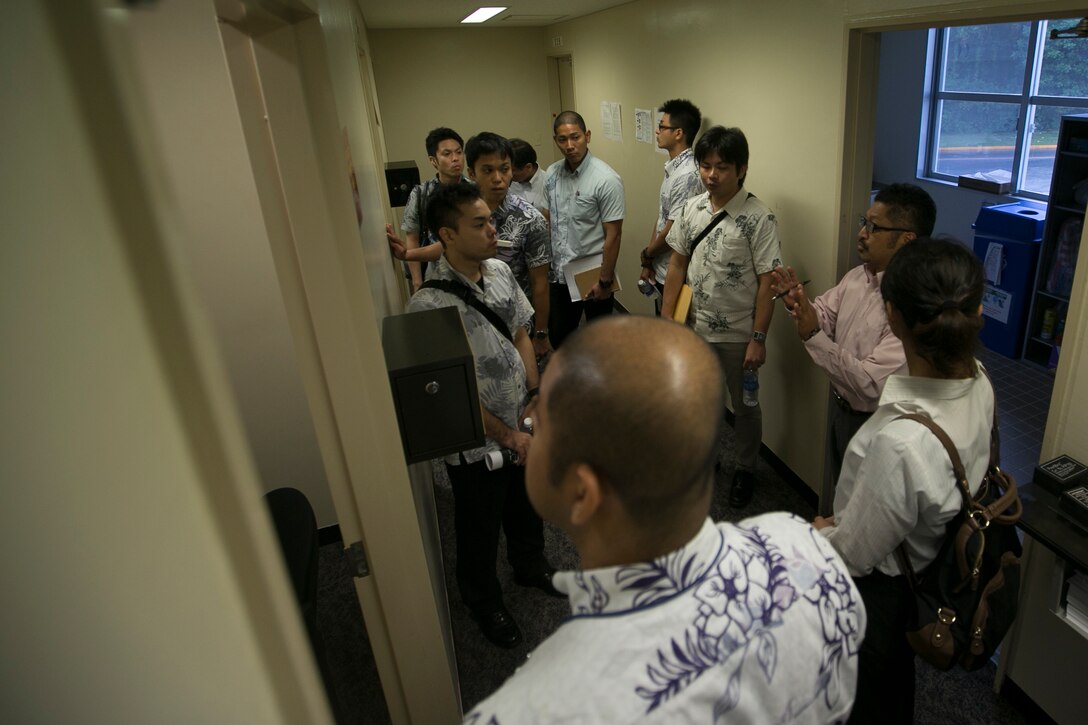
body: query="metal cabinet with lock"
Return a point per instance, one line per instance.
(433, 379)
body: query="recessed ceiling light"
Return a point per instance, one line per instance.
(483, 15)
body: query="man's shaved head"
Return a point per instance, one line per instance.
(639, 400)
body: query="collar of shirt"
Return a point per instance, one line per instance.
(681, 158)
(443, 270)
(502, 210)
(620, 589)
(872, 280)
(732, 207)
(563, 168)
(907, 388)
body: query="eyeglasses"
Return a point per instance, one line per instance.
(663, 127)
(873, 228)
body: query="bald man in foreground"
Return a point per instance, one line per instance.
(675, 618)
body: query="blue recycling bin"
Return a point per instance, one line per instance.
(1007, 238)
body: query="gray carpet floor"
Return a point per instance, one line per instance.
(952, 697)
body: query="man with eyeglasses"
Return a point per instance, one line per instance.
(845, 330)
(676, 133)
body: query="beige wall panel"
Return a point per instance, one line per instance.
(126, 598)
(211, 181)
(475, 79)
(352, 74)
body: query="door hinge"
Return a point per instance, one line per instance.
(356, 556)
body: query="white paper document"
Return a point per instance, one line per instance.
(606, 119)
(617, 121)
(581, 274)
(644, 125)
(995, 260)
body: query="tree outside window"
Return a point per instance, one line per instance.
(997, 95)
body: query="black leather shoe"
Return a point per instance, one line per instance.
(499, 627)
(541, 580)
(741, 493)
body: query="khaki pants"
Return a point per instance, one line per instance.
(748, 424)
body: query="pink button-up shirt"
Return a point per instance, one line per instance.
(856, 347)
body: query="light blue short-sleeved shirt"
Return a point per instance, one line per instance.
(579, 202)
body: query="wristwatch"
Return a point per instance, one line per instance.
(645, 259)
(759, 336)
(541, 334)
(605, 283)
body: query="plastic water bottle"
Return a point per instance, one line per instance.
(751, 387)
(648, 289)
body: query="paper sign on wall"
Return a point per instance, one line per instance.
(611, 123)
(644, 125)
(996, 303)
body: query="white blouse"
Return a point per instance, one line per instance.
(897, 482)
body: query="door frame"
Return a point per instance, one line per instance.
(279, 67)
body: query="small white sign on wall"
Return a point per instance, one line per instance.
(644, 125)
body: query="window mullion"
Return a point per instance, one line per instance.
(1025, 124)
(938, 42)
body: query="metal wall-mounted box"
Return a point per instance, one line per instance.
(433, 378)
(400, 178)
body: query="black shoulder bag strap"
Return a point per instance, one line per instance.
(463, 293)
(702, 235)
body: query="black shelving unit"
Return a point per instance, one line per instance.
(1050, 303)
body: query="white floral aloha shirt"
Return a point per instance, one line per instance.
(681, 182)
(500, 371)
(752, 622)
(723, 272)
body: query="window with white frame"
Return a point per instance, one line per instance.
(997, 94)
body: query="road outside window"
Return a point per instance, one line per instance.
(997, 94)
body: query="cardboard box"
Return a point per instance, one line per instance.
(992, 187)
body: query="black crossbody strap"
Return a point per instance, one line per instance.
(702, 235)
(463, 293)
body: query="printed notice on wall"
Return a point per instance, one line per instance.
(644, 125)
(611, 123)
(996, 303)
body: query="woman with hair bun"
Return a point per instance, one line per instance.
(897, 485)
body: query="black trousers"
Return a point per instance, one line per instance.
(483, 502)
(566, 314)
(885, 692)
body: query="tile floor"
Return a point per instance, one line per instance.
(1023, 400)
